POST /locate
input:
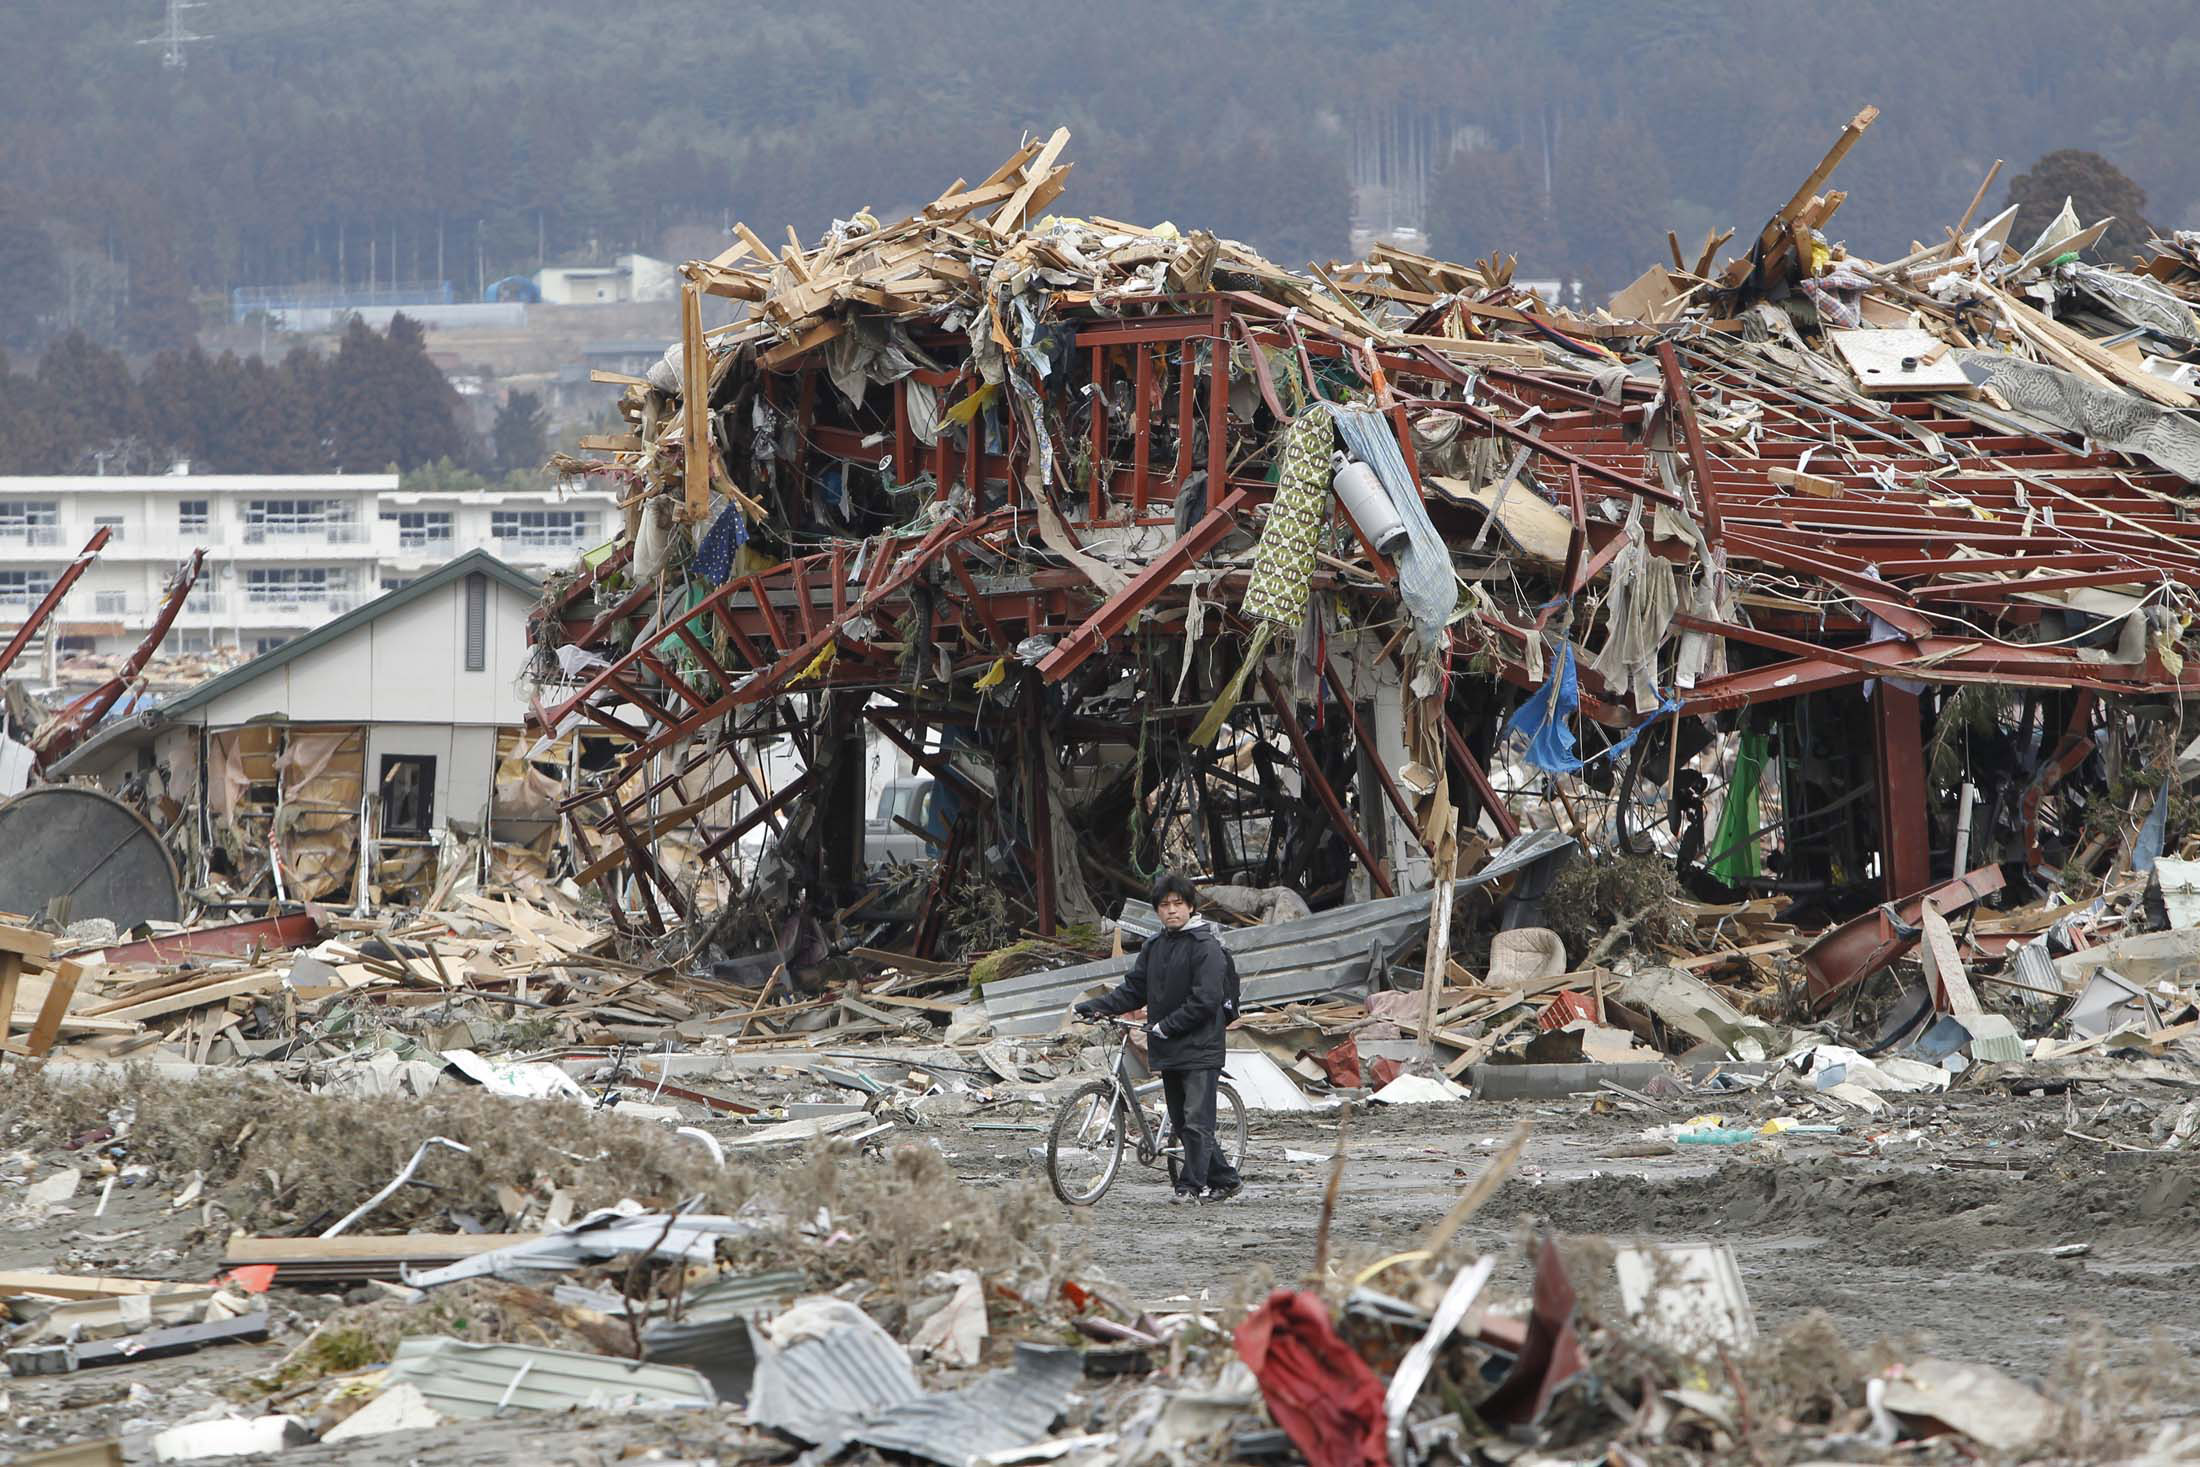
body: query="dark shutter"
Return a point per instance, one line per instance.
(477, 622)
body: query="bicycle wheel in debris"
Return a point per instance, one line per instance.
(1085, 1148)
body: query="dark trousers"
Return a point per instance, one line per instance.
(1191, 1097)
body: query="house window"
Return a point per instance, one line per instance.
(31, 521)
(407, 798)
(193, 517)
(112, 523)
(477, 622)
(542, 529)
(23, 588)
(288, 584)
(262, 645)
(421, 529)
(111, 603)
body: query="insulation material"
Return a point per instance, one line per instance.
(528, 785)
(317, 825)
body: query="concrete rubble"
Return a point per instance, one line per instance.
(1694, 794)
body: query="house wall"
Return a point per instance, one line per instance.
(406, 666)
(465, 764)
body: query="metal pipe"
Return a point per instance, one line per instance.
(398, 1181)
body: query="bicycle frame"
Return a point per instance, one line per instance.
(1130, 1095)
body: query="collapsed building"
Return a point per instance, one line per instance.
(1813, 576)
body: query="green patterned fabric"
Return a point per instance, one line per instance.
(1283, 561)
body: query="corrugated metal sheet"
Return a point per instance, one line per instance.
(1278, 963)
(842, 1380)
(467, 1381)
(1008, 1409)
(1994, 1039)
(838, 1369)
(713, 1330)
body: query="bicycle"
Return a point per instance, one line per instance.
(1085, 1146)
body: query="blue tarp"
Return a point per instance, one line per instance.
(1546, 720)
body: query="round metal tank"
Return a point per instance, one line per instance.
(1369, 505)
(68, 840)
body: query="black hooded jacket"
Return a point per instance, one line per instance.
(1181, 980)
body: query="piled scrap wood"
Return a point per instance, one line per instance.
(36, 990)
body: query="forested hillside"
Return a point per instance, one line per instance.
(465, 139)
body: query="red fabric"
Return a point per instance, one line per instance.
(1321, 1393)
(1383, 1071)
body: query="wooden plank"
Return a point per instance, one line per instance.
(787, 351)
(1779, 225)
(1712, 960)
(11, 978)
(25, 942)
(694, 407)
(1944, 966)
(86, 1286)
(1012, 213)
(610, 443)
(906, 1001)
(60, 990)
(196, 998)
(107, 1453)
(620, 379)
(749, 238)
(739, 249)
(402, 1248)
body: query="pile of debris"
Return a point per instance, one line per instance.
(1818, 579)
(807, 1315)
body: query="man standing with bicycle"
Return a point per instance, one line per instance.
(1182, 980)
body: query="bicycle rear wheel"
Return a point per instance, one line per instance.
(1085, 1148)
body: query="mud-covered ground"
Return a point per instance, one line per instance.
(1935, 1223)
(1945, 1225)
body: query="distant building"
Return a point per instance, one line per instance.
(285, 552)
(433, 304)
(626, 278)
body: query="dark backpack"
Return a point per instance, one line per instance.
(1229, 984)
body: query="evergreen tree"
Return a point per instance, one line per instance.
(94, 406)
(433, 415)
(521, 437)
(362, 402)
(2095, 187)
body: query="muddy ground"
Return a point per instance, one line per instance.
(1935, 1225)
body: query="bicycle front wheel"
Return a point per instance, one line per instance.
(1085, 1148)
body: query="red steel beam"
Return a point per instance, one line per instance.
(85, 713)
(1905, 842)
(52, 598)
(1311, 772)
(1115, 613)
